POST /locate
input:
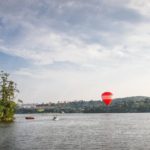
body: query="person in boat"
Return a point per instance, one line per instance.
(55, 118)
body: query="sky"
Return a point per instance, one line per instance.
(65, 50)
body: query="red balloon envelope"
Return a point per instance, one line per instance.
(107, 97)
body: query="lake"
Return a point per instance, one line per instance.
(109, 131)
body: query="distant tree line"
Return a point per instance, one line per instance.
(120, 105)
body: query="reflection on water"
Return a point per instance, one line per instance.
(77, 132)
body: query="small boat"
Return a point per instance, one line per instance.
(29, 117)
(55, 118)
(62, 112)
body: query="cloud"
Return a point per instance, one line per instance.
(75, 45)
(47, 47)
(142, 7)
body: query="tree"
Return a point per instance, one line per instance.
(7, 95)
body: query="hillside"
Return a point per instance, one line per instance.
(119, 105)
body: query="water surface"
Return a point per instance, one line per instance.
(126, 131)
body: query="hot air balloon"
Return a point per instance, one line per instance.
(107, 97)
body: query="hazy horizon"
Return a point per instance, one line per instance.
(66, 50)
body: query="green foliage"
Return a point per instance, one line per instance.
(7, 95)
(120, 105)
